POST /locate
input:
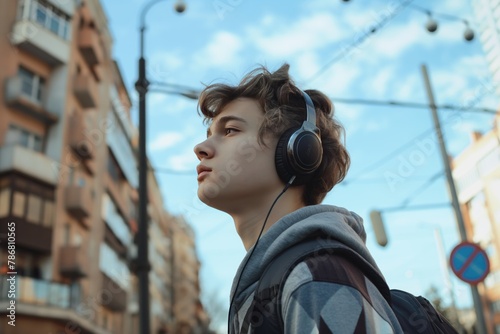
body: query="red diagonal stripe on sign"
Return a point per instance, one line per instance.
(468, 261)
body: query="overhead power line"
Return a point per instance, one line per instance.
(415, 105)
(431, 26)
(372, 29)
(423, 187)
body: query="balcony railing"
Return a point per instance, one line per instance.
(73, 262)
(118, 297)
(29, 162)
(85, 91)
(40, 42)
(41, 292)
(88, 43)
(29, 105)
(78, 201)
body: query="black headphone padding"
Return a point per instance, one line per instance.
(305, 158)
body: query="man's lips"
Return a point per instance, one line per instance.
(202, 171)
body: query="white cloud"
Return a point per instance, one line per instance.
(309, 33)
(378, 84)
(374, 126)
(306, 65)
(183, 161)
(350, 117)
(166, 140)
(222, 50)
(162, 64)
(169, 105)
(409, 87)
(448, 85)
(338, 80)
(396, 39)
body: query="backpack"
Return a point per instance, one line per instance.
(415, 314)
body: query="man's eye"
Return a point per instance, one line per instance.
(229, 130)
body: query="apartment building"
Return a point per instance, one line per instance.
(487, 14)
(68, 178)
(161, 259)
(477, 174)
(190, 316)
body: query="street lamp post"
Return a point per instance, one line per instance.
(143, 265)
(480, 324)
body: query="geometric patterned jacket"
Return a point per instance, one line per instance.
(327, 296)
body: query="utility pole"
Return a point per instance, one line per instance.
(480, 324)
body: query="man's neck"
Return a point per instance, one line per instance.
(249, 222)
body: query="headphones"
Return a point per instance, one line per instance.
(299, 150)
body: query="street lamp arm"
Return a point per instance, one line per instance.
(145, 10)
(415, 207)
(142, 22)
(192, 95)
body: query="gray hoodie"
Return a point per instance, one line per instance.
(308, 300)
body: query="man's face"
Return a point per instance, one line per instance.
(235, 171)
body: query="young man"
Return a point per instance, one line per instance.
(271, 155)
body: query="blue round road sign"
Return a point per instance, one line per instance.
(469, 262)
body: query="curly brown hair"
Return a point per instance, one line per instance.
(283, 107)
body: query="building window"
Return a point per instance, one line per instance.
(50, 18)
(67, 233)
(48, 213)
(4, 201)
(19, 136)
(468, 179)
(113, 169)
(34, 209)
(32, 84)
(495, 306)
(489, 162)
(30, 200)
(19, 204)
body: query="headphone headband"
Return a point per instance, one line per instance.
(311, 113)
(299, 150)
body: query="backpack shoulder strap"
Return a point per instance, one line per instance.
(264, 314)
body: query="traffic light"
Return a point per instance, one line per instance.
(378, 227)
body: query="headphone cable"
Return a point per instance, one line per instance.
(253, 249)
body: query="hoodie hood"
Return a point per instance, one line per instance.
(326, 220)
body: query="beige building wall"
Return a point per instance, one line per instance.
(186, 279)
(68, 179)
(54, 102)
(477, 174)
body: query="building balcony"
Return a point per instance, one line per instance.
(118, 301)
(85, 91)
(117, 194)
(29, 162)
(78, 201)
(58, 304)
(73, 262)
(33, 237)
(79, 126)
(40, 42)
(41, 292)
(29, 105)
(90, 48)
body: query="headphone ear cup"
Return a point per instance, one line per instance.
(283, 165)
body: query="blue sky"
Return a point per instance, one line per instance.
(220, 41)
